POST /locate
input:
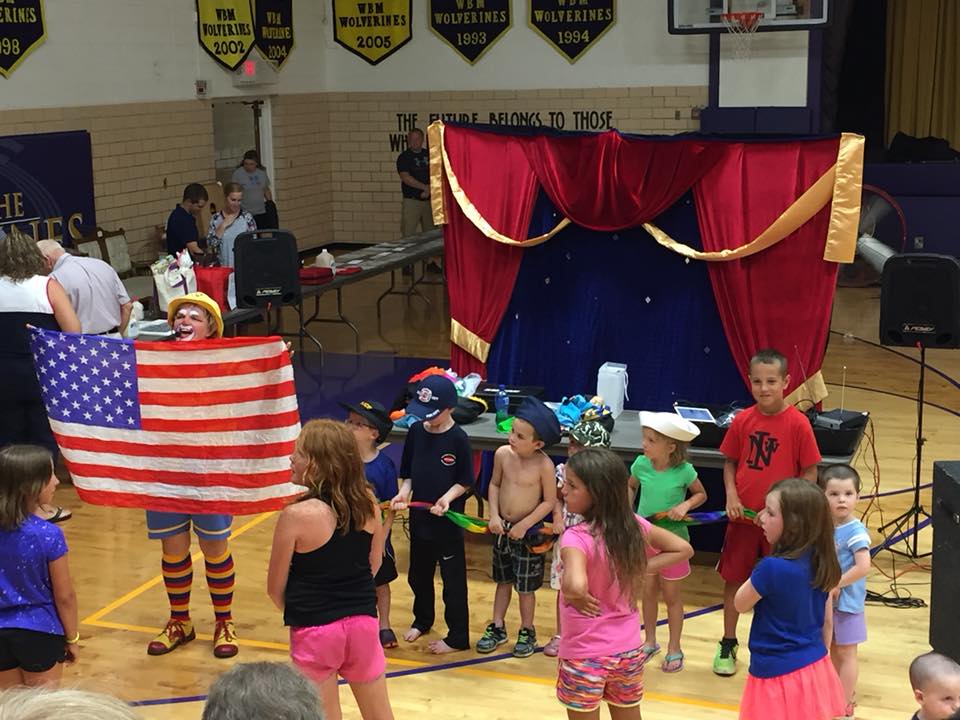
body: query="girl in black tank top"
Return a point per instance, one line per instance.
(327, 547)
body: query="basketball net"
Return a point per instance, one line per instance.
(741, 26)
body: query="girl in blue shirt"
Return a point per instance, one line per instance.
(38, 605)
(791, 676)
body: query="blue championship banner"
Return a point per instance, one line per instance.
(470, 27)
(572, 26)
(46, 185)
(273, 29)
(22, 29)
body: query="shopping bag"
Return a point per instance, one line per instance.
(213, 282)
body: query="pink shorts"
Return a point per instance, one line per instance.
(349, 647)
(618, 679)
(676, 572)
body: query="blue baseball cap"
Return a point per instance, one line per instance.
(543, 419)
(433, 395)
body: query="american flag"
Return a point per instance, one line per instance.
(194, 427)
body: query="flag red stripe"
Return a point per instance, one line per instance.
(201, 370)
(201, 345)
(206, 452)
(212, 507)
(218, 397)
(236, 480)
(251, 422)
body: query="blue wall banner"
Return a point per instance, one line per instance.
(46, 185)
(470, 27)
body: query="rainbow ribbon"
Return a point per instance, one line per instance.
(701, 518)
(469, 522)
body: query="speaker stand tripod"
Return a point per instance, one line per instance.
(907, 524)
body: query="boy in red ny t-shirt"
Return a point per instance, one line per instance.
(768, 442)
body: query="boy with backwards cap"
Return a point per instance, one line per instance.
(371, 423)
(523, 491)
(436, 467)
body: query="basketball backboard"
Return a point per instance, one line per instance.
(703, 16)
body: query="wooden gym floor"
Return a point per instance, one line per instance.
(122, 603)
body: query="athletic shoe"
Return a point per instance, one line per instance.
(493, 637)
(225, 640)
(526, 643)
(175, 634)
(725, 659)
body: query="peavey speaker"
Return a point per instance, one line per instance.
(267, 268)
(920, 301)
(945, 576)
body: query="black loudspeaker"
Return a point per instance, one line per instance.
(267, 268)
(920, 301)
(945, 576)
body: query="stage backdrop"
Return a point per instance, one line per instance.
(46, 185)
(680, 256)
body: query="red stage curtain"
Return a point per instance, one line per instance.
(608, 182)
(481, 272)
(781, 297)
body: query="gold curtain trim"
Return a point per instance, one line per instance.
(814, 389)
(434, 143)
(845, 212)
(469, 209)
(469, 341)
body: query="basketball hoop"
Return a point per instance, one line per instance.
(741, 26)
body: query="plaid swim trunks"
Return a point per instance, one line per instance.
(514, 562)
(618, 679)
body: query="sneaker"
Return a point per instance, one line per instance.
(175, 634)
(526, 643)
(493, 637)
(225, 640)
(552, 648)
(851, 712)
(725, 660)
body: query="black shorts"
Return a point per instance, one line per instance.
(388, 569)
(29, 650)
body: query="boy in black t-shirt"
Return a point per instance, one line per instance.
(436, 467)
(935, 680)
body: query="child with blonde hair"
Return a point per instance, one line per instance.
(663, 478)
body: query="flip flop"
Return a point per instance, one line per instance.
(388, 639)
(60, 515)
(648, 651)
(672, 658)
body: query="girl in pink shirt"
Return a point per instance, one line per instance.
(604, 562)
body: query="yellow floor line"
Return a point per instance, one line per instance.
(106, 610)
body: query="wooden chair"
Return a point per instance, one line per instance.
(112, 248)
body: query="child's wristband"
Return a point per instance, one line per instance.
(74, 640)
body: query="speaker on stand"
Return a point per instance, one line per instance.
(267, 275)
(919, 307)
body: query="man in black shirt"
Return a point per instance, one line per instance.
(182, 231)
(413, 167)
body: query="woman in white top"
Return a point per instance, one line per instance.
(27, 297)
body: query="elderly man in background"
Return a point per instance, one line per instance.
(94, 289)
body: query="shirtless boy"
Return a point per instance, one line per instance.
(522, 492)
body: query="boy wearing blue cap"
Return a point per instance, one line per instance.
(436, 467)
(522, 493)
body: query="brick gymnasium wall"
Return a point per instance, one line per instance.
(367, 131)
(143, 155)
(334, 153)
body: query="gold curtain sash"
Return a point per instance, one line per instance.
(813, 389)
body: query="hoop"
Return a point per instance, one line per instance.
(741, 26)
